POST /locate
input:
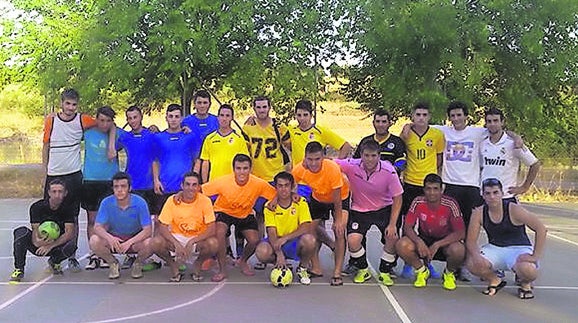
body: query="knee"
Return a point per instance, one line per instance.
(526, 270)
(20, 232)
(404, 245)
(212, 245)
(263, 251)
(456, 250)
(354, 241)
(95, 242)
(308, 241)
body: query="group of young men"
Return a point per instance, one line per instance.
(185, 188)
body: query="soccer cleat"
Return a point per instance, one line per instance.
(392, 274)
(449, 282)
(127, 262)
(362, 276)
(103, 264)
(16, 275)
(433, 272)
(153, 265)
(182, 268)
(386, 279)
(114, 271)
(136, 271)
(93, 263)
(407, 272)
(73, 265)
(55, 268)
(349, 270)
(421, 278)
(303, 276)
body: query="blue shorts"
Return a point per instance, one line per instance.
(289, 248)
(260, 203)
(304, 191)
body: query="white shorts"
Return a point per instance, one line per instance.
(183, 241)
(504, 258)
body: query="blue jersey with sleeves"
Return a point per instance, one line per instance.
(140, 156)
(97, 166)
(123, 223)
(176, 153)
(202, 127)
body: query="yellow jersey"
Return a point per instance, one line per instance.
(265, 150)
(220, 150)
(422, 155)
(300, 139)
(287, 220)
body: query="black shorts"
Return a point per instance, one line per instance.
(248, 223)
(160, 201)
(320, 210)
(468, 198)
(360, 222)
(151, 198)
(93, 192)
(73, 183)
(410, 192)
(440, 255)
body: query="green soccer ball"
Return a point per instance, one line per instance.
(281, 277)
(49, 229)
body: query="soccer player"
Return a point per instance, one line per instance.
(501, 159)
(440, 231)
(236, 194)
(63, 133)
(98, 171)
(221, 146)
(123, 225)
(186, 229)
(299, 136)
(508, 247)
(176, 152)
(329, 194)
(48, 209)
(375, 200)
(391, 147)
(289, 230)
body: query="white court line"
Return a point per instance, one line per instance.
(166, 309)
(30, 289)
(394, 303)
(563, 239)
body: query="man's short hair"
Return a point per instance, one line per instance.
(57, 181)
(490, 182)
(202, 94)
(313, 147)
(192, 174)
(262, 98)
(174, 107)
(134, 108)
(370, 145)
(455, 105)
(432, 179)
(226, 106)
(286, 176)
(106, 111)
(120, 176)
(71, 94)
(241, 158)
(304, 105)
(420, 105)
(382, 112)
(494, 111)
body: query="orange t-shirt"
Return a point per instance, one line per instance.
(235, 200)
(323, 182)
(188, 219)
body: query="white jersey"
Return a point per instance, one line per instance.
(64, 138)
(502, 161)
(461, 164)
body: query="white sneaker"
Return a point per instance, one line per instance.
(303, 276)
(114, 271)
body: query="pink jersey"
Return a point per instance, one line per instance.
(374, 191)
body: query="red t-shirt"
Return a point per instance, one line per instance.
(438, 223)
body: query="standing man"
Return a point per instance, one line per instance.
(375, 200)
(289, 231)
(63, 133)
(501, 159)
(176, 153)
(329, 194)
(221, 146)
(509, 247)
(441, 230)
(236, 194)
(187, 229)
(98, 171)
(51, 209)
(123, 225)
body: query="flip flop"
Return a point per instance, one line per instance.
(336, 281)
(494, 289)
(176, 278)
(196, 277)
(525, 293)
(314, 275)
(218, 277)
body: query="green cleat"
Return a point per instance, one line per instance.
(16, 276)
(449, 282)
(362, 276)
(385, 278)
(421, 278)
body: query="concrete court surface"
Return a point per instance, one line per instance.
(91, 297)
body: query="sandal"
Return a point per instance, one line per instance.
(314, 275)
(260, 266)
(218, 277)
(176, 278)
(525, 293)
(494, 289)
(336, 281)
(196, 277)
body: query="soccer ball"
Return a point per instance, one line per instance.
(281, 277)
(49, 230)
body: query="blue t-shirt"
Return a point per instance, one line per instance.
(127, 222)
(140, 157)
(176, 153)
(97, 167)
(202, 127)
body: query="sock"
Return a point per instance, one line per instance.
(421, 269)
(359, 258)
